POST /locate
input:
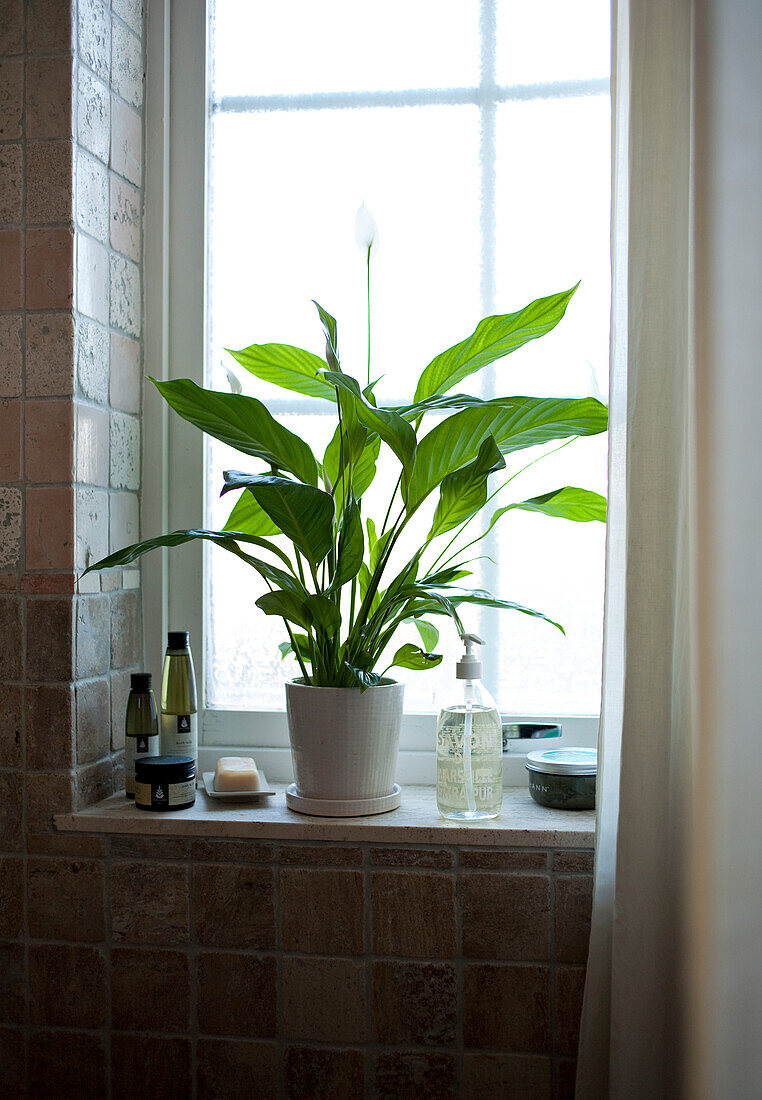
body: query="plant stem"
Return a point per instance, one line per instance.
(299, 567)
(353, 591)
(391, 502)
(297, 654)
(368, 314)
(375, 580)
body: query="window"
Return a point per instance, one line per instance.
(477, 131)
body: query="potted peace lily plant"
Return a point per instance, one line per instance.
(334, 575)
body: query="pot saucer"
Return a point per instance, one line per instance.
(342, 807)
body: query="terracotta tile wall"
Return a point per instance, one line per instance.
(226, 969)
(71, 87)
(71, 78)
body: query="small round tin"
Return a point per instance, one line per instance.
(563, 779)
(165, 782)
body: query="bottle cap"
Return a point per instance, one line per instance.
(140, 681)
(178, 639)
(469, 667)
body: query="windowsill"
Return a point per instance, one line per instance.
(522, 823)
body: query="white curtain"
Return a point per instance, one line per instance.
(673, 929)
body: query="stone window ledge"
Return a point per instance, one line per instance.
(522, 823)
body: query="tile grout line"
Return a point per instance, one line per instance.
(552, 976)
(109, 969)
(19, 573)
(370, 1037)
(279, 1036)
(193, 971)
(459, 968)
(264, 953)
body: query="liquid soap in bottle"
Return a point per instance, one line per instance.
(141, 727)
(470, 746)
(179, 701)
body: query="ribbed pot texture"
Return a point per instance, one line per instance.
(344, 741)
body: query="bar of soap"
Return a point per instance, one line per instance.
(236, 773)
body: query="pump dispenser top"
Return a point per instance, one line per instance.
(469, 667)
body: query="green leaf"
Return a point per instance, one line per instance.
(364, 580)
(304, 514)
(428, 632)
(360, 453)
(464, 492)
(227, 540)
(412, 656)
(365, 678)
(368, 393)
(438, 403)
(486, 599)
(526, 422)
(345, 447)
(243, 423)
(378, 548)
(324, 613)
(444, 577)
(443, 605)
(351, 545)
(249, 517)
(395, 432)
(287, 605)
(493, 338)
(288, 367)
(580, 505)
(308, 612)
(302, 643)
(330, 329)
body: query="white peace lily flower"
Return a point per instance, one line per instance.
(366, 230)
(233, 381)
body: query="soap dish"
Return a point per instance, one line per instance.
(209, 785)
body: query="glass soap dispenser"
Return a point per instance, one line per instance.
(470, 746)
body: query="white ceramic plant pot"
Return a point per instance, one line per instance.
(344, 741)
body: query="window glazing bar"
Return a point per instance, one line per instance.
(416, 97)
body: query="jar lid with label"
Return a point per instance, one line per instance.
(569, 761)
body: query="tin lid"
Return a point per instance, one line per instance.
(165, 768)
(563, 761)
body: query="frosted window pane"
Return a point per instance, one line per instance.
(549, 40)
(295, 46)
(285, 188)
(553, 230)
(557, 568)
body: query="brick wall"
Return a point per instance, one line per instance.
(71, 86)
(204, 968)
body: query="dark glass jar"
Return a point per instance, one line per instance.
(563, 779)
(165, 782)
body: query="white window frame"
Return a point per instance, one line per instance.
(175, 339)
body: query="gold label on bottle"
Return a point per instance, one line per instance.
(178, 734)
